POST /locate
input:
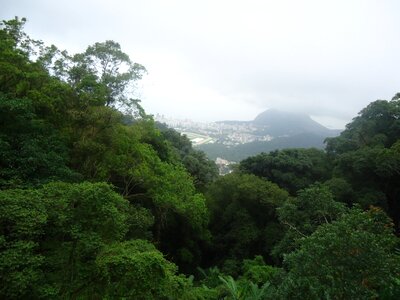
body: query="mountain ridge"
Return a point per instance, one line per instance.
(280, 123)
(286, 129)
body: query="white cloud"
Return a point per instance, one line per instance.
(211, 60)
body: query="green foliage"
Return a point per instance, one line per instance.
(136, 270)
(22, 218)
(199, 293)
(83, 186)
(256, 281)
(140, 220)
(302, 215)
(31, 151)
(351, 258)
(125, 156)
(341, 190)
(20, 271)
(234, 291)
(103, 73)
(82, 220)
(243, 290)
(51, 236)
(203, 170)
(372, 172)
(89, 207)
(367, 156)
(377, 124)
(256, 271)
(391, 289)
(210, 276)
(242, 209)
(173, 190)
(291, 169)
(59, 119)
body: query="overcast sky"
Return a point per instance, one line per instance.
(227, 59)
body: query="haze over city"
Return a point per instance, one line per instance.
(231, 60)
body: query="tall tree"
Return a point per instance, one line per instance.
(351, 258)
(366, 155)
(106, 73)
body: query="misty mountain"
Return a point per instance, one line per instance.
(288, 130)
(279, 123)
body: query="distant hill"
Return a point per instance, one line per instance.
(239, 152)
(289, 130)
(280, 123)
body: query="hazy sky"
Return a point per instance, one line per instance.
(220, 59)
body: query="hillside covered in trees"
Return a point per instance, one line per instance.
(97, 201)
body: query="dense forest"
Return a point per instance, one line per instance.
(97, 201)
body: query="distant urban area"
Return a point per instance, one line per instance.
(228, 133)
(228, 142)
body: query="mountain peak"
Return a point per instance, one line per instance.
(288, 123)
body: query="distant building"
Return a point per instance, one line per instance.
(224, 166)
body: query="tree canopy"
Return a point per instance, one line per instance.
(98, 201)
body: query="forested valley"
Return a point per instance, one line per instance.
(98, 201)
